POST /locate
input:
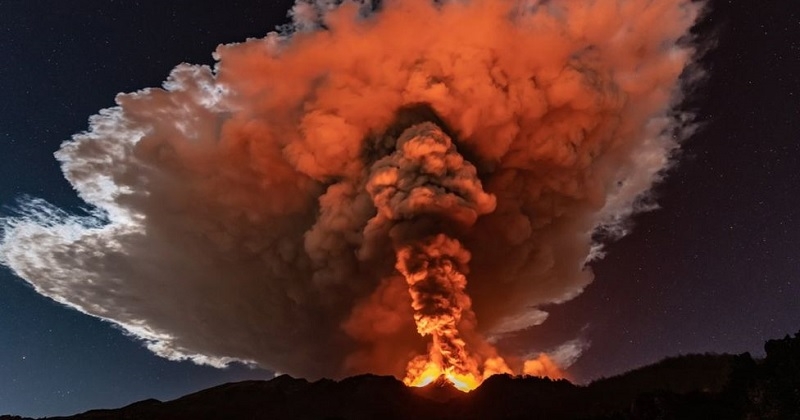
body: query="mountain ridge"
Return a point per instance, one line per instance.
(684, 387)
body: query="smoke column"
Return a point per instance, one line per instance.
(426, 178)
(393, 188)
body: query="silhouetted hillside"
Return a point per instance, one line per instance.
(685, 387)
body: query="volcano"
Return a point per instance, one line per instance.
(686, 387)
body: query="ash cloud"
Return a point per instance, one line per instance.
(234, 219)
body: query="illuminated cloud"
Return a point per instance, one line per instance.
(234, 213)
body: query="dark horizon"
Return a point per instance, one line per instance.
(694, 386)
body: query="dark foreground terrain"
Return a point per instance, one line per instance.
(686, 387)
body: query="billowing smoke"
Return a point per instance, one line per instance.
(318, 198)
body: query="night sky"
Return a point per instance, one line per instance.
(715, 269)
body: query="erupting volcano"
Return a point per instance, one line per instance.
(394, 187)
(426, 180)
(436, 283)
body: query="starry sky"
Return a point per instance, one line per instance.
(715, 269)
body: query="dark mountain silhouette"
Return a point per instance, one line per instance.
(685, 387)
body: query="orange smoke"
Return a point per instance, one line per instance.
(435, 271)
(320, 198)
(543, 366)
(423, 186)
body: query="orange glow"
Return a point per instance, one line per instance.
(432, 371)
(434, 273)
(423, 372)
(543, 366)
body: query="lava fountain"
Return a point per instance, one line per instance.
(423, 186)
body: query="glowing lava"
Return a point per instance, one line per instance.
(431, 371)
(434, 272)
(425, 185)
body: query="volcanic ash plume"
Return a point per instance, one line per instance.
(425, 181)
(436, 283)
(393, 189)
